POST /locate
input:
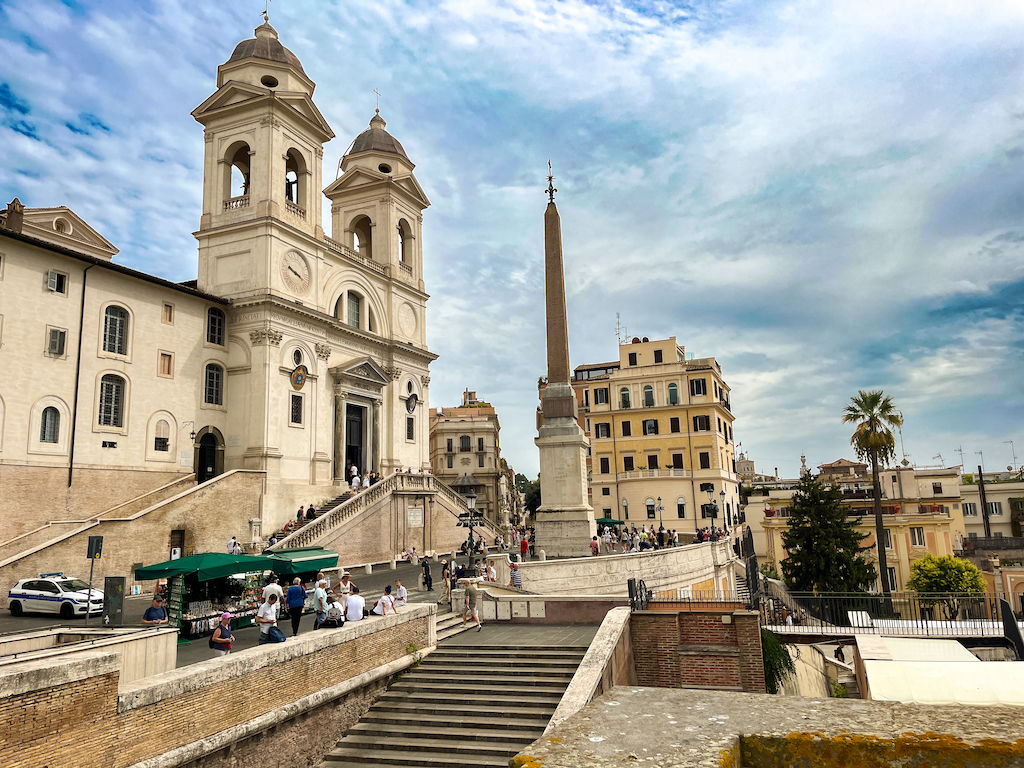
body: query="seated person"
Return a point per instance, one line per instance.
(355, 605)
(401, 594)
(385, 604)
(335, 614)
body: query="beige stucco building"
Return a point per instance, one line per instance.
(661, 437)
(297, 351)
(465, 452)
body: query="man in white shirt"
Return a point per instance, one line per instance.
(273, 588)
(320, 602)
(355, 605)
(231, 545)
(266, 617)
(401, 594)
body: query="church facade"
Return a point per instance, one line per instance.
(295, 352)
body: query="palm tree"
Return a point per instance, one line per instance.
(873, 413)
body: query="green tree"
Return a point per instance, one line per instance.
(778, 664)
(874, 413)
(532, 495)
(823, 545)
(945, 581)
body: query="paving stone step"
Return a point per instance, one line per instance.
(524, 668)
(437, 731)
(495, 688)
(524, 652)
(499, 662)
(467, 677)
(526, 719)
(360, 756)
(478, 702)
(457, 744)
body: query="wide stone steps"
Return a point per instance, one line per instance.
(464, 705)
(450, 625)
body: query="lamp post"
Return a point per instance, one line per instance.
(712, 506)
(721, 495)
(660, 509)
(470, 495)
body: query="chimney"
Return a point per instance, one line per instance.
(14, 216)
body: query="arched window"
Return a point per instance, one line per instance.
(625, 509)
(354, 309)
(362, 236)
(115, 330)
(215, 325)
(295, 180)
(112, 389)
(236, 181)
(162, 436)
(681, 507)
(213, 390)
(464, 443)
(651, 509)
(404, 243)
(49, 425)
(624, 397)
(673, 394)
(648, 396)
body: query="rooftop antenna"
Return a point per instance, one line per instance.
(1012, 452)
(960, 450)
(903, 448)
(938, 456)
(621, 333)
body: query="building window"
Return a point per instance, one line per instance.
(652, 461)
(891, 576)
(297, 357)
(995, 507)
(657, 356)
(680, 508)
(632, 358)
(673, 424)
(111, 401)
(705, 460)
(651, 511)
(479, 443)
(887, 537)
(165, 365)
(604, 465)
(451, 461)
(464, 443)
(701, 423)
(449, 445)
(479, 458)
(354, 308)
(162, 437)
(624, 397)
(602, 429)
(167, 316)
(606, 491)
(677, 461)
(937, 489)
(650, 426)
(673, 394)
(213, 391)
(916, 537)
(970, 509)
(115, 330)
(410, 432)
(627, 463)
(55, 340)
(627, 429)
(972, 535)
(625, 510)
(586, 398)
(215, 325)
(56, 281)
(295, 409)
(49, 426)
(719, 425)
(648, 396)
(601, 396)
(698, 387)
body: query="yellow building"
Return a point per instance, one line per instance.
(661, 437)
(922, 512)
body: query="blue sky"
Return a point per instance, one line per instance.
(826, 196)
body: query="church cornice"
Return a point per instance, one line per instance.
(258, 98)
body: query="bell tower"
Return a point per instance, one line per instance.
(262, 165)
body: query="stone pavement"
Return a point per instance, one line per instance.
(514, 635)
(666, 728)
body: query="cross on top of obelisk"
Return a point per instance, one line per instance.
(551, 184)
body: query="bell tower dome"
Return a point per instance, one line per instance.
(263, 159)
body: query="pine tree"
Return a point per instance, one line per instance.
(823, 543)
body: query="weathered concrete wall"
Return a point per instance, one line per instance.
(698, 649)
(34, 496)
(69, 714)
(811, 676)
(700, 566)
(210, 514)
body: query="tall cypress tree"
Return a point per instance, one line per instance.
(823, 543)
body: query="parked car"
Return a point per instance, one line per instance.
(54, 593)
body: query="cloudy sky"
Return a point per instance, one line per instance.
(826, 196)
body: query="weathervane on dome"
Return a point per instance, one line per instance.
(551, 184)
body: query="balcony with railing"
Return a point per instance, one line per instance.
(641, 474)
(294, 209)
(233, 203)
(353, 254)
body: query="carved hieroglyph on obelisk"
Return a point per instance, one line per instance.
(565, 520)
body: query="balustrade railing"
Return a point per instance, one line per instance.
(294, 209)
(242, 201)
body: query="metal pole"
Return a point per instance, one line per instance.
(88, 600)
(984, 503)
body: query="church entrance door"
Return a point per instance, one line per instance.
(354, 433)
(207, 458)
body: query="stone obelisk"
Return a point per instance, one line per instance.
(565, 519)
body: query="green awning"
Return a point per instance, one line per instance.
(300, 560)
(608, 521)
(206, 565)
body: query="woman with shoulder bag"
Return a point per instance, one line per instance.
(220, 640)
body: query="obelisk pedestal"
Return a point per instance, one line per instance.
(565, 519)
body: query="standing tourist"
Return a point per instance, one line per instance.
(156, 614)
(320, 602)
(595, 548)
(273, 588)
(344, 588)
(524, 548)
(515, 577)
(221, 639)
(428, 582)
(231, 545)
(296, 601)
(446, 582)
(471, 604)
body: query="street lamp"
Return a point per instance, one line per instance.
(659, 508)
(470, 495)
(721, 495)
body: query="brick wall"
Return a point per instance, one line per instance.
(698, 649)
(70, 715)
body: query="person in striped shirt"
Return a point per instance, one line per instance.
(516, 579)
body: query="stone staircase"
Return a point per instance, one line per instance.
(464, 705)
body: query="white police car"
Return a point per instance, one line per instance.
(54, 593)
